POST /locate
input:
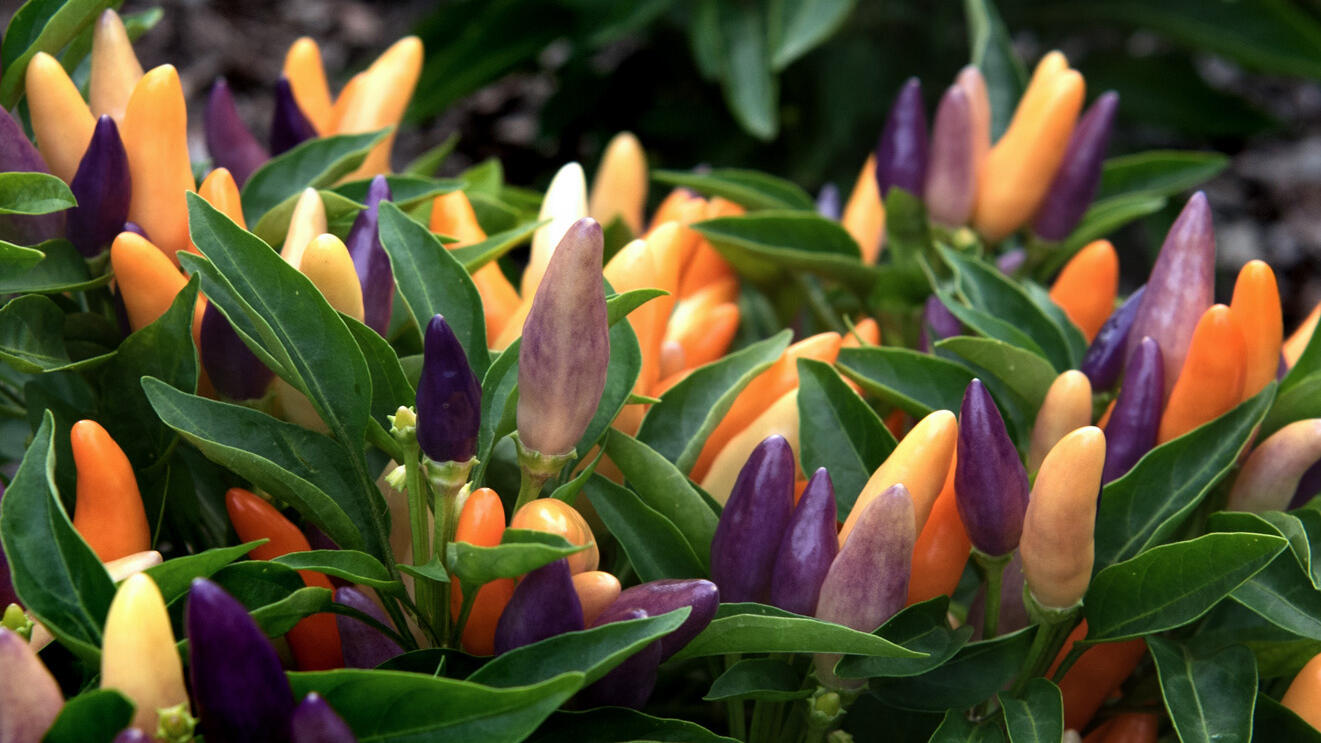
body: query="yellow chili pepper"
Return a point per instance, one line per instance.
(565, 202)
(115, 67)
(1057, 541)
(138, 655)
(781, 418)
(1067, 407)
(60, 119)
(620, 187)
(326, 261)
(307, 221)
(307, 80)
(864, 214)
(155, 134)
(380, 101)
(220, 191)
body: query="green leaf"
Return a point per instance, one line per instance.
(40, 26)
(1158, 172)
(677, 427)
(1025, 374)
(765, 246)
(754, 628)
(520, 552)
(258, 583)
(1036, 715)
(748, 188)
(1173, 584)
(395, 706)
(1282, 595)
(33, 193)
(15, 259)
(96, 716)
(55, 574)
(317, 163)
(279, 617)
(273, 226)
(390, 387)
(63, 269)
(922, 628)
(433, 282)
(32, 337)
(993, 53)
(406, 191)
(1273, 721)
(838, 431)
(618, 725)
(499, 406)
(1040, 296)
(620, 305)
(479, 254)
(759, 679)
(751, 89)
(1210, 696)
(797, 26)
(654, 545)
(1102, 218)
(957, 728)
(350, 565)
(173, 577)
(1183, 471)
(430, 161)
(976, 671)
(664, 488)
(918, 383)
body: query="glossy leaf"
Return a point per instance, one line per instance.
(316, 163)
(918, 383)
(617, 725)
(1210, 696)
(174, 576)
(32, 337)
(1101, 219)
(1025, 374)
(751, 89)
(763, 246)
(390, 386)
(520, 551)
(755, 628)
(797, 26)
(274, 224)
(63, 269)
(350, 565)
(665, 489)
(479, 254)
(654, 545)
(33, 193)
(1158, 172)
(760, 679)
(838, 431)
(923, 628)
(1036, 715)
(976, 671)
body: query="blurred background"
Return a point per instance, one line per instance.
(800, 88)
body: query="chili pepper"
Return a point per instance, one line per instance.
(1256, 306)
(596, 590)
(1211, 382)
(659, 597)
(1293, 347)
(313, 721)
(979, 107)
(1057, 544)
(108, 512)
(1019, 168)
(827, 201)
(951, 184)
(809, 545)
(138, 654)
(864, 213)
(452, 214)
(564, 204)
(901, 152)
(1272, 473)
(554, 516)
(18, 155)
(102, 187)
(565, 351)
(482, 523)
(703, 325)
(707, 266)
(1086, 287)
(543, 605)
(114, 68)
(779, 420)
(28, 693)
(620, 187)
(1079, 175)
(630, 683)
(1182, 285)
(1106, 355)
(315, 639)
(942, 548)
(449, 397)
(1067, 407)
(147, 281)
(228, 139)
(232, 367)
(866, 332)
(290, 127)
(362, 645)
(220, 191)
(989, 481)
(1010, 261)
(868, 581)
(1304, 694)
(307, 82)
(307, 221)
(155, 133)
(1134, 417)
(1308, 487)
(327, 263)
(938, 321)
(1097, 673)
(60, 118)
(348, 96)
(240, 690)
(920, 461)
(380, 101)
(756, 514)
(652, 262)
(131, 735)
(1131, 727)
(370, 260)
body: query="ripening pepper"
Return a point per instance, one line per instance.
(543, 605)
(702, 327)
(234, 370)
(827, 201)
(972, 82)
(920, 461)
(1256, 306)
(1057, 543)
(220, 190)
(706, 266)
(290, 127)
(138, 654)
(315, 639)
(18, 155)
(758, 512)
(565, 204)
(240, 690)
(452, 214)
(1067, 407)
(108, 512)
(380, 100)
(1293, 346)
(449, 397)
(901, 152)
(565, 351)
(1271, 474)
(554, 516)
(1211, 382)
(951, 183)
(596, 590)
(1129, 727)
(620, 187)
(115, 69)
(314, 721)
(1096, 675)
(102, 187)
(1108, 352)
(1304, 694)
(868, 581)
(60, 118)
(1086, 287)
(1180, 289)
(348, 96)
(155, 134)
(864, 213)
(362, 645)
(630, 683)
(481, 523)
(307, 221)
(809, 545)
(989, 480)
(29, 695)
(1135, 418)
(307, 81)
(659, 597)
(229, 141)
(147, 281)
(370, 260)
(780, 420)
(942, 548)
(938, 323)
(327, 264)
(1079, 174)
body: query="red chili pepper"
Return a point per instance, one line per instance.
(481, 523)
(1095, 676)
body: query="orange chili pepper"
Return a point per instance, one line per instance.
(596, 590)
(347, 95)
(1256, 306)
(1131, 727)
(1304, 694)
(942, 548)
(481, 523)
(1297, 342)
(866, 332)
(147, 281)
(379, 101)
(315, 639)
(864, 214)
(61, 120)
(921, 462)
(1087, 285)
(557, 517)
(684, 207)
(155, 134)
(220, 191)
(307, 80)
(115, 69)
(706, 265)
(1211, 381)
(652, 262)
(1096, 675)
(108, 512)
(779, 419)
(706, 339)
(452, 214)
(620, 187)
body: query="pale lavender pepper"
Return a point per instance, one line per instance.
(370, 260)
(1079, 175)
(364, 646)
(951, 183)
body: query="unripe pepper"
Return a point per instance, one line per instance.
(864, 213)
(18, 155)
(138, 654)
(290, 127)
(114, 68)
(481, 523)
(452, 214)
(1067, 407)
(868, 581)
(314, 721)
(1211, 382)
(663, 596)
(920, 461)
(228, 139)
(1296, 343)
(108, 512)
(901, 153)
(241, 692)
(449, 397)
(102, 187)
(1057, 544)
(652, 262)
(757, 513)
(147, 281)
(565, 352)
(1135, 417)
(307, 80)
(155, 133)
(1108, 352)
(951, 184)
(307, 221)
(543, 605)
(1256, 306)
(370, 260)
(780, 420)
(630, 683)
(234, 370)
(565, 204)
(362, 645)
(29, 695)
(315, 639)
(348, 96)
(1086, 287)
(596, 590)
(554, 516)
(989, 480)
(1079, 174)
(1272, 472)
(942, 548)
(327, 263)
(60, 118)
(972, 82)
(220, 191)
(620, 186)
(809, 545)
(1304, 694)
(380, 101)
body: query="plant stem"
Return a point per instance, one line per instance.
(1075, 653)
(417, 521)
(529, 487)
(738, 727)
(1054, 626)
(469, 599)
(446, 505)
(993, 570)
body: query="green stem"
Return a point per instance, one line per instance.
(1054, 626)
(469, 599)
(816, 302)
(738, 725)
(417, 522)
(760, 715)
(400, 623)
(993, 570)
(529, 487)
(446, 505)
(1074, 654)
(381, 439)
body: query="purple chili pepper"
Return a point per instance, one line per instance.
(938, 323)
(1104, 359)
(809, 546)
(1131, 431)
(237, 682)
(449, 397)
(1182, 285)
(659, 597)
(1308, 486)
(315, 722)
(1079, 175)
(131, 735)
(630, 683)
(370, 260)
(827, 201)
(990, 482)
(1010, 261)
(234, 370)
(228, 139)
(102, 187)
(544, 604)
(364, 646)
(7, 594)
(901, 153)
(18, 155)
(289, 125)
(753, 522)
(952, 178)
